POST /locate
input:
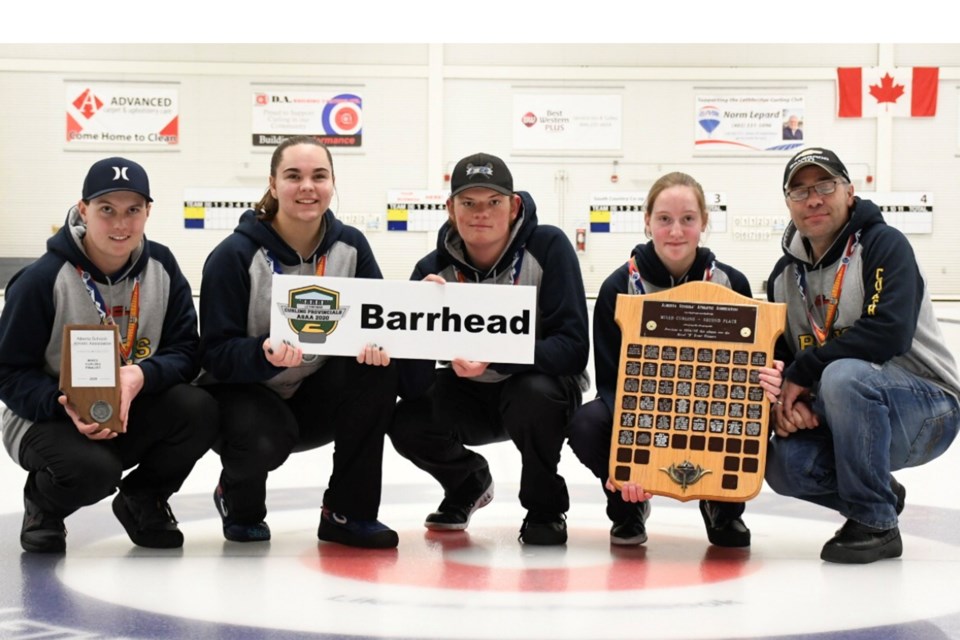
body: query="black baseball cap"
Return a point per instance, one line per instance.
(823, 158)
(115, 174)
(481, 170)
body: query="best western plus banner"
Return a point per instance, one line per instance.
(566, 122)
(409, 319)
(122, 113)
(337, 120)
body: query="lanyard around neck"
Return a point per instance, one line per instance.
(636, 282)
(822, 334)
(106, 313)
(274, 263)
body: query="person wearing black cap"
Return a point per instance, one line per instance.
(99, 268)
(492, 236)
(869, 385)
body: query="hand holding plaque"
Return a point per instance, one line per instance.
(692, 412)
(90, 373)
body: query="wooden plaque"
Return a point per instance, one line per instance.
(691, 420)
(90, 372)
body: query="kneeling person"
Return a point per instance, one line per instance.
(869, 386)
(493, 237)
(99, 268)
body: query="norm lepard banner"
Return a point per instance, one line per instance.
(426, 320)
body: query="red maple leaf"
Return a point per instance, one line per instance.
(887, 91)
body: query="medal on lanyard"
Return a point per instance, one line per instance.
(822, 334)
(106, 314)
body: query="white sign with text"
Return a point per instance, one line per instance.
(579, 122)
(409, 319)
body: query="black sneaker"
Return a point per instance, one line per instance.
(238, 531)
(453, 515)
(857, 543)
(544, 529)
(148, 521)
(632, 530)
(722, 530)
(368, 534)
(41, 532)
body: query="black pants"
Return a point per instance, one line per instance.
(531, 409)
(166, 434)
(344, 402)
(590, 431)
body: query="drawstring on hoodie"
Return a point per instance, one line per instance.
(517, 264)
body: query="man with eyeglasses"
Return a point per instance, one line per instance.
(869, 386)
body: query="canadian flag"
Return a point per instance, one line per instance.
(903, 91)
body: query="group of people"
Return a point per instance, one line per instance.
(861, 385)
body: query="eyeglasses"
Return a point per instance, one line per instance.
(822, 188)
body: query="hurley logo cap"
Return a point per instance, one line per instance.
(481, 170)
(823, 158)
(116, 174)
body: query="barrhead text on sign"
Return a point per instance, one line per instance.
(426, 320)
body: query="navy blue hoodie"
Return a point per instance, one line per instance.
(884, 312)
(48, 294)
(537, 255)
(236, 290)
(655, 277)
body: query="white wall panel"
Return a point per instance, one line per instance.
(425, 107)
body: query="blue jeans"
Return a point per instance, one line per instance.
(874, 419)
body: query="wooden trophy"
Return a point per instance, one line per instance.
(691, 420)
(90, 372)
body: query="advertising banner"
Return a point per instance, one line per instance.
(336, 119)
(567, 122)
(105, 114)
(748, 123)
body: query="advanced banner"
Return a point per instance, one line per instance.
(112, 114)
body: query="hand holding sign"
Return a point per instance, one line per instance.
(422, 320)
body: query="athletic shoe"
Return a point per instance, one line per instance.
(632, 530)
(148, 521)
(238, 531)
(41, 532)
(857, 543)
(722, 530)
(454, 515)
(545, 529)
(368, 534)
